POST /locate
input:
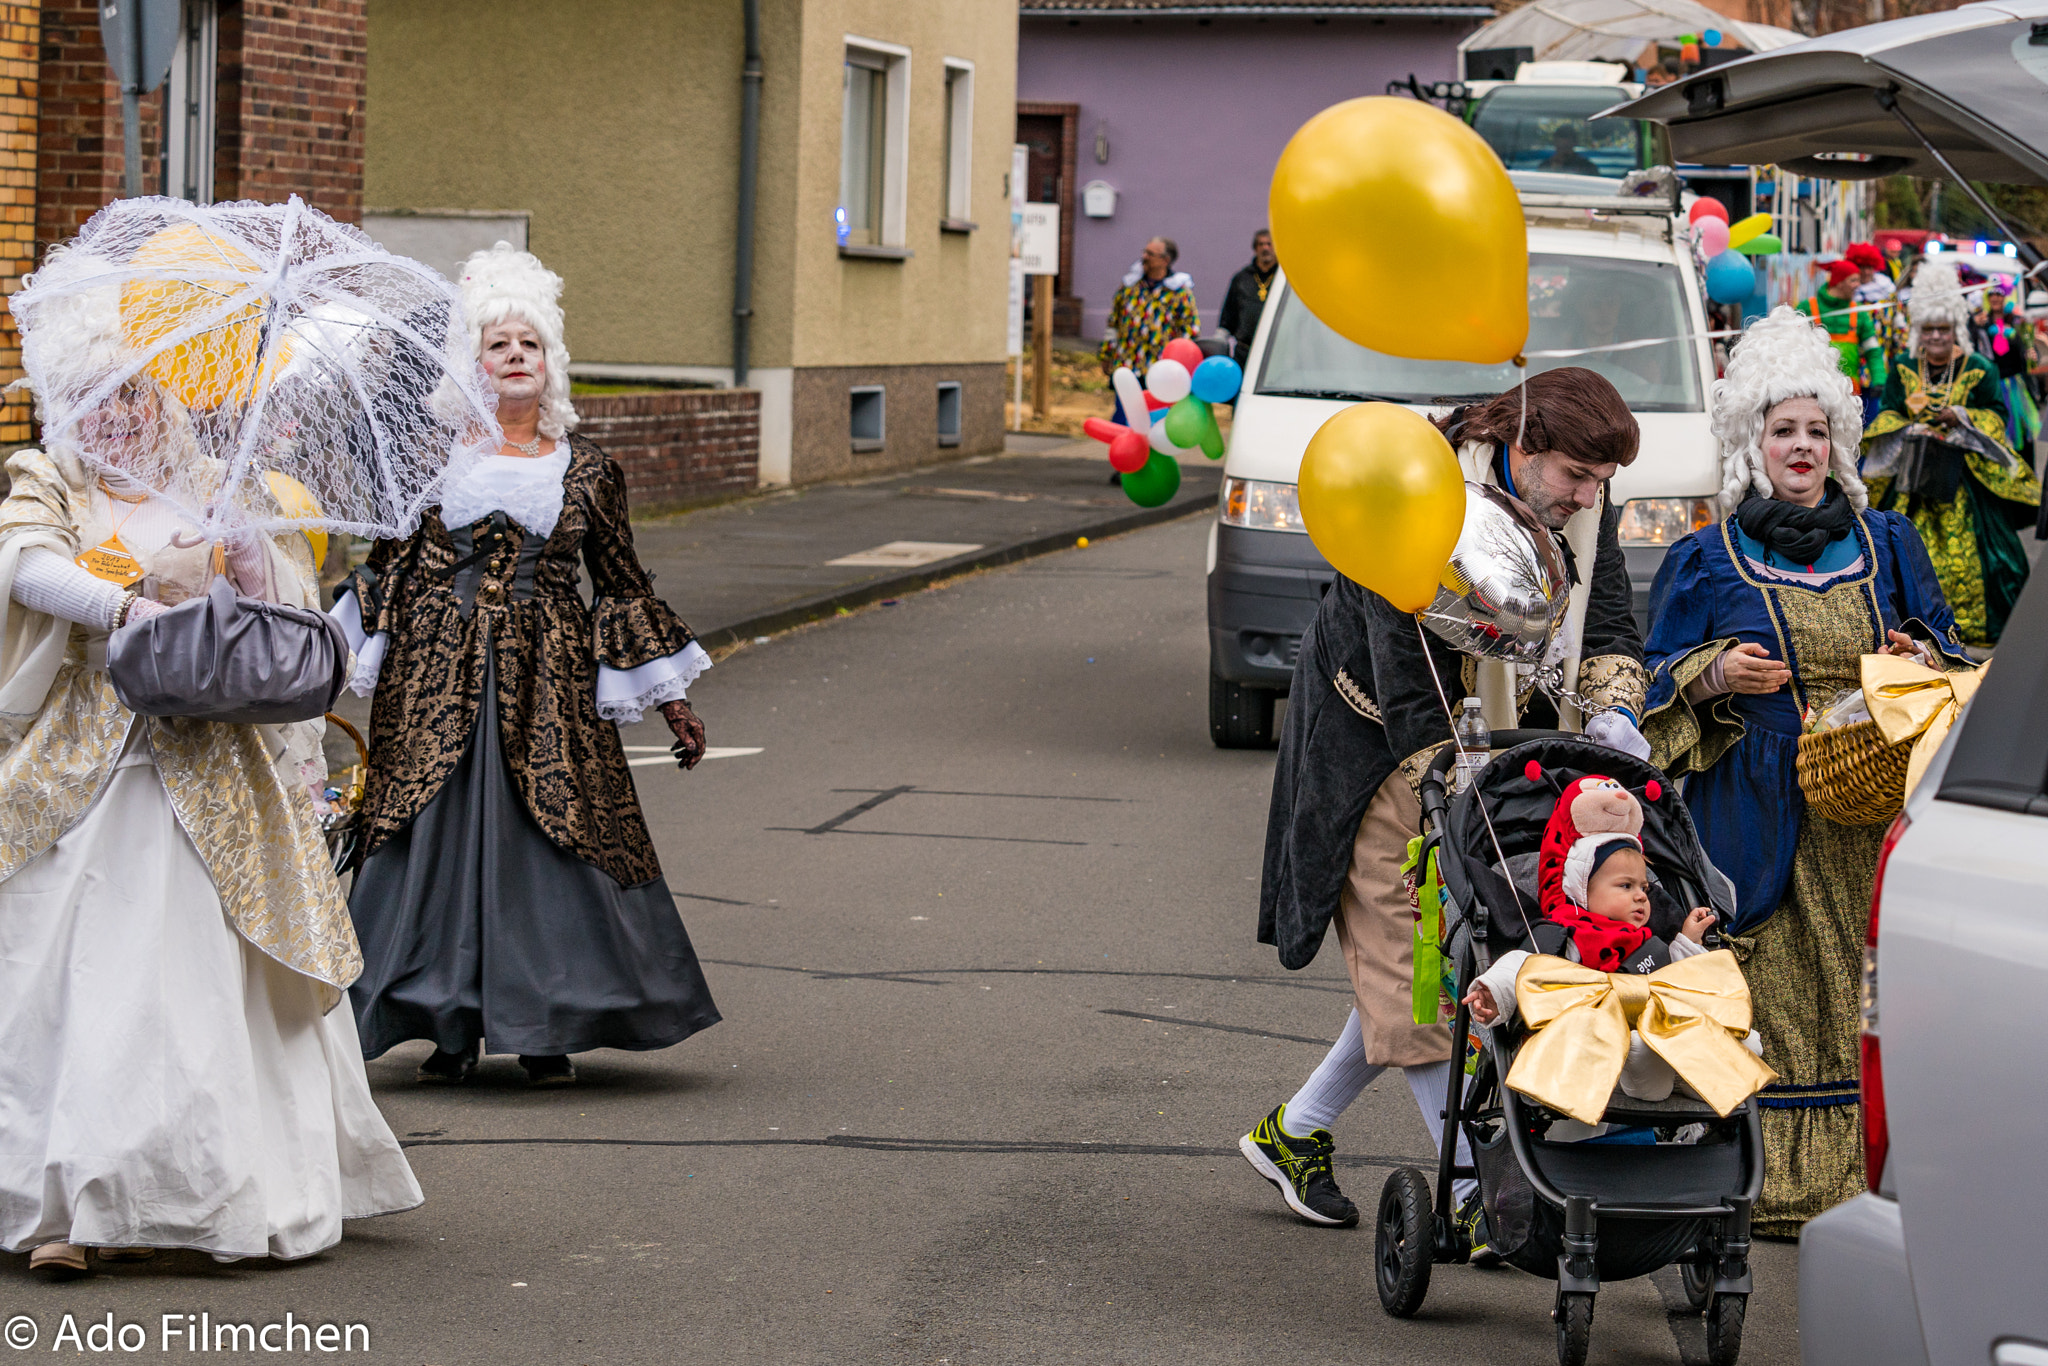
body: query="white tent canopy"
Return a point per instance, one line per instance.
(1616, 30)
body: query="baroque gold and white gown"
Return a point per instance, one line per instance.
(172, 940)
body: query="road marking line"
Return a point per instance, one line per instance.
(667, 756)
(905, 554)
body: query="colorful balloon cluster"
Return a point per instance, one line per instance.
(1166, 417)
(1727, 249)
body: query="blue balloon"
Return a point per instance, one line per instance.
(1730, 278)
(1217, 379)
(1713, 37)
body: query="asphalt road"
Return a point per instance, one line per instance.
(980, 916)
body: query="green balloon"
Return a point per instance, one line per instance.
(1154, 484)
(1184, 422)
(1191, 425)
(1763, 244)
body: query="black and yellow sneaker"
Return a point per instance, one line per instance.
(1472, 1224)
(1300, 1169)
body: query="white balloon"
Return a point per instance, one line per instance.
(1131, 394)
(1169, 381)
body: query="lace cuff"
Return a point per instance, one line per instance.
(368, 648)
(624, 694)
(636, 631)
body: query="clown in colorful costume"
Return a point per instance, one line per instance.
(1752, 621)
(1966, 492)
(1854, 335)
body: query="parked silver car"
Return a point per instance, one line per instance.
(1935, 1266)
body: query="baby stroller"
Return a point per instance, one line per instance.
(1576, 1212)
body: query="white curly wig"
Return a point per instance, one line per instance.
(71, 341)
(1784, 355)
(1938, 298)
(505, 282)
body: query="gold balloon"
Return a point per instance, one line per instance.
(218, 365)
(1384, 500)
(1399, 228)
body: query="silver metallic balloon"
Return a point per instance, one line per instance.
(1503, 594)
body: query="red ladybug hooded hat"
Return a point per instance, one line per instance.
(1594, 811)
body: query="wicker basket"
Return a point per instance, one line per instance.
(1851, 776)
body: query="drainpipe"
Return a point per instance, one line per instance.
(750, 158)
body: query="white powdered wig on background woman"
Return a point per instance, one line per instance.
(505, 282)
(1780, 356)
(1938, 298)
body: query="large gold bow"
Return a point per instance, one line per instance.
(1906, 698)
(1692, 1013)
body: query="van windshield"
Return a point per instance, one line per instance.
(1573, 301)
(1551, 128)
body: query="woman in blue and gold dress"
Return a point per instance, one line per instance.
(1753, 621)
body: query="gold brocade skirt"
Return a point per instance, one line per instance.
(1805, 980)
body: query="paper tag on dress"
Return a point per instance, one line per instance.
(111, 561)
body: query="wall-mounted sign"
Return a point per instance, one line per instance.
(1038, 239)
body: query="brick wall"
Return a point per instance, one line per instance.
(20, 25)
(78, 136)
(291, 104)
(288, 101)
(686, 446)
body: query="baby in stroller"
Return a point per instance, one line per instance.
(1593, 885)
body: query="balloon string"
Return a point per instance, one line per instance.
(1445, 699)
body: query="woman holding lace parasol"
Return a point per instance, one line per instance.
(173, 943)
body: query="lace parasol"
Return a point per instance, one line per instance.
(261, 367)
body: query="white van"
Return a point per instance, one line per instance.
(1601, 269)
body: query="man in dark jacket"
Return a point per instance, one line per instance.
(1364, 721)
(1246, 301)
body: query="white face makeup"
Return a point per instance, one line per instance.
(515, 360)
(1796, 450)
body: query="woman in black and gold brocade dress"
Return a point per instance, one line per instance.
(509, 891)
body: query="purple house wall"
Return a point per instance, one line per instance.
(1195, 111)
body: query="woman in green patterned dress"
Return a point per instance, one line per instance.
(1940, 451)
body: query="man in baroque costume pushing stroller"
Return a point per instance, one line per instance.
(1366, 718)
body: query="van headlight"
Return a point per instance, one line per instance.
(1663, 521)
(1262, 505)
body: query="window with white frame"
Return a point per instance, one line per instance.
(959, 139)
(874, 138)
(188, 122)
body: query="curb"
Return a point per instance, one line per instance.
(911, 580)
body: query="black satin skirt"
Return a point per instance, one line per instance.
(474, 925)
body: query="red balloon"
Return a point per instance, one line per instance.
(1705, 207)
(1129, 452)
(1102, 429)
(1155, 403)
(1184, 351)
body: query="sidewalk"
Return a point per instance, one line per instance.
(766, 563)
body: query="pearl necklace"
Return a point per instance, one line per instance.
(530, 449)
